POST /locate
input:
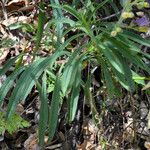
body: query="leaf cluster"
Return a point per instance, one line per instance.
(13, 124)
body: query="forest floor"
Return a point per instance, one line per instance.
(123, 122)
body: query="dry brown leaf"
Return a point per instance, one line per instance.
(55, 146)
(16, 2)
(90, 132)
(11, 20)
(14, 5)
(32, 142)
(147, 86)
(62, 136)
(27, 8)
(147, 145)
(128, 133)
(2, 29)
(19, 109)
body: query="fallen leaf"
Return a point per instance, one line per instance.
(19, 109)
(147, 86)
(32, 142)
(12, 20)
(147, 145)
(90, 131)
(15, 5)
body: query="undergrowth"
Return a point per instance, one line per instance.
(77, 37)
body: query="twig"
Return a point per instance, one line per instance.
(4, 9)
(111, 16)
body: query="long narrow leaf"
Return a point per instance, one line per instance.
(7, 66)
(26, 82)
(113, 59)
(73, 12)
(57, 12)
(9, 83)
(75, 95)
(70, 70)
(136, 38)
(109, 81)
(54, 109)
(43, 111)
(41, 21)
(126, 51)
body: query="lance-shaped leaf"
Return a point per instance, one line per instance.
(26, 82)
(54, 109)
(41, 21)
(43, 110)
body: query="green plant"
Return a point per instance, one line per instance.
(13, 124)
(6, 42)
(118, 56)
